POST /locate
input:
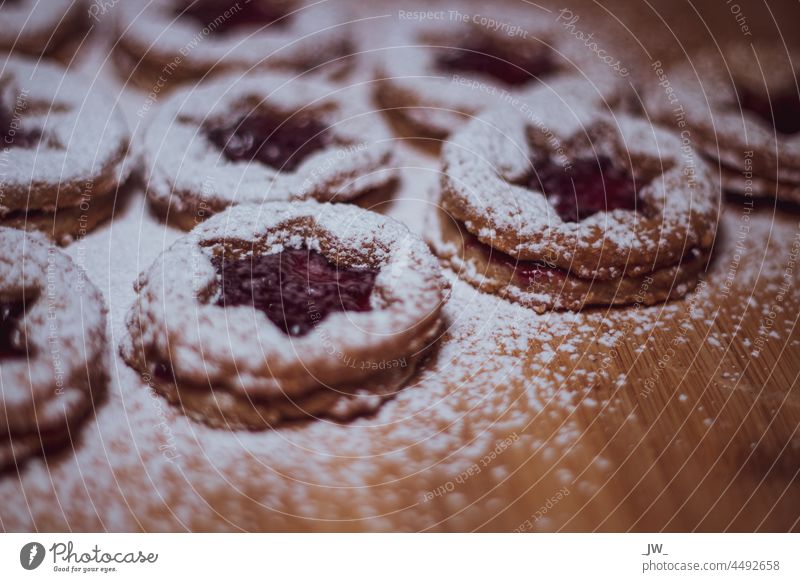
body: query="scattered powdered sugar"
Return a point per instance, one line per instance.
(143, 465)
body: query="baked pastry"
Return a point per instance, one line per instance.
(285, 311)
(563, 205)
(35, 28)
(53, 353)
(166, 42)
(742, 113)
(440, 74)
(64, 150)
(265, 137)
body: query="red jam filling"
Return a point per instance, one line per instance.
(784, 106)
(11, 315)
(529, 273)
(584, 188)
(295, 288)
(277, 141)
(222, 16)
(12, 136)
(511, 68)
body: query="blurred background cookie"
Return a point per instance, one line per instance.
(53, 352)
(65, 146)
(443, 68)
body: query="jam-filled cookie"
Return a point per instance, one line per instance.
(568, 206)
(64, 147)
(266, 137)
(442, 73)
(286, 311)
(53, 352)
(167, 42)
(36, 28)
(742, 113)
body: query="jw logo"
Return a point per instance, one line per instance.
(31, 555)
(655, 549)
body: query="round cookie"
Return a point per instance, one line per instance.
(53, 353)
(286, 311)
(440, 74)
(264, 137)
(35, 28)
(64, 150)
(743, 112)
(168, 42)
(561, 180)
(584, 204)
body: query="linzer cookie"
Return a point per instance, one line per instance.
(64, 151)
(266, 137)
(439, 75)
(53, 352)
(561, 205)
(36, 28)
(167, 42)
(743, 114)
(286, 311)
